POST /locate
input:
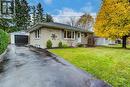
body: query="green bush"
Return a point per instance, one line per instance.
(65, 46)
(49, 44)
(80, 45)
(60, 45)
(4, 40)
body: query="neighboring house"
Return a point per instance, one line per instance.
(20, 37)
(6, 8)
(56, 32)
(103, 41)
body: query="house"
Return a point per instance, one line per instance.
(99, 41)
(56, 32)
(5, 8)
(19, 37)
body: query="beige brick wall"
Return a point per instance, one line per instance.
(46, 34)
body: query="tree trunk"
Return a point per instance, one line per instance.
(124, 41)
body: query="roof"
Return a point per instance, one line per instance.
(56, 26)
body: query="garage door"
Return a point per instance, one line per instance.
(21, 39)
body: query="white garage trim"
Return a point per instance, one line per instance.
(12, 35)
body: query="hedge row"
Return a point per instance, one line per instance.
(4, 40)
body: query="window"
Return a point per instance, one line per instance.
(69, 34)
(65, 36)
(37, 34)
(78, 35)
(73, 33)
(6, 7)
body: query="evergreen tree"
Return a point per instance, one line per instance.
(22, 16)
(39, 14)
(49, 18)
(34, 15)
(25, 19)
(18, 12)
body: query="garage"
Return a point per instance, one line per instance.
(19, 38)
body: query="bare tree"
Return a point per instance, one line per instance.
(72, 21)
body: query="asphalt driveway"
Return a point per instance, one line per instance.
(30, 67)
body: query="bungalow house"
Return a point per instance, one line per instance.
(56, 32)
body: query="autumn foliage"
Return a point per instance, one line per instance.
(113, 19)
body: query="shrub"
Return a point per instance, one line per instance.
(60, 44)
(65, 46)
(80, 45)
(4, 40)
(49, 44)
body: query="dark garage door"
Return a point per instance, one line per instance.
(21, 39)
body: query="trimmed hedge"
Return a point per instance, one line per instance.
(4, 40)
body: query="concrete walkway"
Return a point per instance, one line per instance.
(25, 67)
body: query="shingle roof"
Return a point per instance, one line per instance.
(56, 26)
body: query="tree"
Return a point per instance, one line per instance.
(34, 15)
(86, 21)
(22, 16)
(4, 24)
(71, 21)
(49, 18)
(39, 13)
(113, 20)
(17, 16)
(25, 16)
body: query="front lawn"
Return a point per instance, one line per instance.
(109, 64)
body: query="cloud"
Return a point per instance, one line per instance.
(87, 8)
(65, 14)
(48, 1)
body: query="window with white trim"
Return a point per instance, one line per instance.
(37, 34)
(69, 34)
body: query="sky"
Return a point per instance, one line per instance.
(62, 10)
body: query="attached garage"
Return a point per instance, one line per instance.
(20, 37)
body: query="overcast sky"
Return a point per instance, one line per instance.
(62, 10)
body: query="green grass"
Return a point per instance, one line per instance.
(109, 64)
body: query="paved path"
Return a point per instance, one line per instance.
(37, 68)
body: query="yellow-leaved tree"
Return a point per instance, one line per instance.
(113, 20)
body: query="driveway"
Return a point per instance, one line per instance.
(31, 67)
